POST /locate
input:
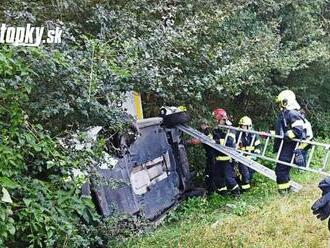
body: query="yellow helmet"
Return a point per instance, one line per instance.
(285, 98)
(245, 121)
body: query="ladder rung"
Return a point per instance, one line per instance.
(327, 146)
(225, 142)
(265, 146)
(293, 154)
(325, 160)
(253, 140)
(279, 150)
(288, 164)
(239, 138)
(310, 157)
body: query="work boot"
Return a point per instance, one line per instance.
(222, 191)
(209, 193)
(235, 191)
(286, 191)
(245, 187)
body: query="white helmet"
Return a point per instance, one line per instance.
(287, 100)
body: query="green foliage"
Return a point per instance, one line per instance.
(237, 55)
(42, 209)
(204, 54)
(75, 87)
(197, 162)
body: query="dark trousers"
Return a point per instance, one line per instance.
(245, 172)
(251, 172)
(283, 171)
(224, 175)
(208, 174)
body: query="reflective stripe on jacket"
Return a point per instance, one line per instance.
(219, 136)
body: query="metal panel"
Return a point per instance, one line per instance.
(160, 197)
(145, 179)
(151, 144)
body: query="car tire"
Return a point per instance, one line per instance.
(174, 119)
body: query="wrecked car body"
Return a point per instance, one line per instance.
(154, 174)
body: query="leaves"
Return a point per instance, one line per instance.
(201, 54)
(6, 196)
(8, 183)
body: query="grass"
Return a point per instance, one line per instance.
(259, 218)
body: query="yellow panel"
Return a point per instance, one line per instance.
(138, 105)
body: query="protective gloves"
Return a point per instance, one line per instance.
(289, 135)
(299, 158)
(324, 185)
(321, 208)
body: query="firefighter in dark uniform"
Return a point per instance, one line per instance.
(223, 170)
(290, 124)
(209, 153)
(247, 142)
(321, 207)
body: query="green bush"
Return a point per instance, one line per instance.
(204, 54)
(38, 206)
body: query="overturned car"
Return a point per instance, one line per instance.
(153, 173)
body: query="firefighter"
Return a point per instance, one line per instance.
(247, 142)
(209, 153)
(289, 124)
(321, 207)
(223, 170)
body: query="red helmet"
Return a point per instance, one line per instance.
(220, 114)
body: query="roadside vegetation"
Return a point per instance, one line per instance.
(237, 55)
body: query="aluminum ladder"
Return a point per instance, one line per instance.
(234, 154)
(322, 148)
